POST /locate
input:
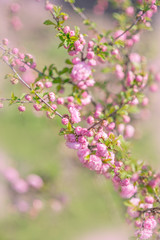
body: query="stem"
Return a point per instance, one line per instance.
(35, 69)
(17, 101)
(153, 210)
(24, 83)
(110, 115)
(132, 25)
(82, 15)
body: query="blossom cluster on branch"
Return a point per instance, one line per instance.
(97, 122)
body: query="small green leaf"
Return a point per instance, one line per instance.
(48, 22)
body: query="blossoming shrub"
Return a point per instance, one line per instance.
(97, 121)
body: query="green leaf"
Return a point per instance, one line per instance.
(60, 45)
(87, 22)
(150, 189)
(69, 127)
(77, 30)
(158, 2)
(23, 95)
(44, 69)
(68, 61)
(120, 43)
(57, 80)
(48, 22)
(70, 1)
(64, 70)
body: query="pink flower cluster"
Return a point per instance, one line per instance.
(81, 74)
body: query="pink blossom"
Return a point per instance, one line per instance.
(135, 58)
(1, 105)
(5, 41)
(90, 44)
(60, 101)
(92, 62)
(130, 78)
(118, 33)
(37, 107)
(20, 186)
(82, 153)
(72, 33)
(73, 145)
(65, 17)
(15, 7)
(135, 201)
(94, 163)
(153, 87)
(149, 199)
(130, 11)
(28, 77)
(16, 23)
(22, 206)
(35, 181)
(66, 29)
(121, 128)
(15, 50)
(102, 150)
(132, 212)
(129, 131)
(119, 72)
(90, 54)
(150, 223)
(21, 108)
(39, 84)
(136, 38)
(78, 130)
(80, 72)
(54, 106)
(144, 233)
(128, 191)
(104, 168)
(75, 115)
(86, 100)
(49, 6)
(11, 174)
(90, 120)
(76, 60)
(65, 121)
(48, 84)
(157, 77)
(138, 223)
(51, 96)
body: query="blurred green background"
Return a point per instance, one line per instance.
(86, 203)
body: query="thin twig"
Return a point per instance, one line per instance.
(24, 83)
(16, 101)
(82, 15)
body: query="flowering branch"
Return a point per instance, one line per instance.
(101, 143)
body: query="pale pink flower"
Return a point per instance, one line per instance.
(150, 223)
(144, 233)
(128, 191)
(75, 115)
(94, 163)
(129, 131)
(135, 58)
(132, 212)
(82, 153)
(35, 181)
(80, 72)
(73, 145)
(11, 174)
(20, 186)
